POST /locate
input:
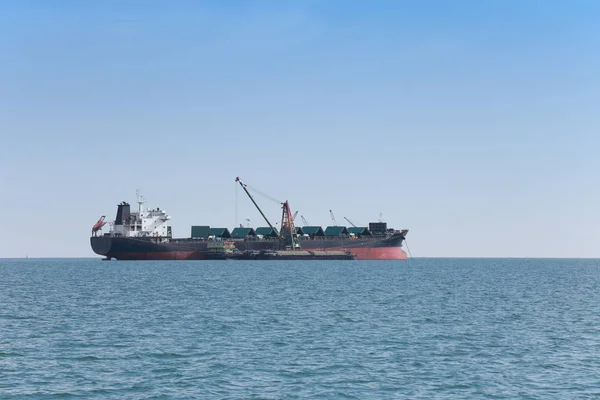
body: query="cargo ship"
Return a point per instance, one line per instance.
(146, 234)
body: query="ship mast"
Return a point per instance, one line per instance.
(140, 201)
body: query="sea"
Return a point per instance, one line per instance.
(425, 328)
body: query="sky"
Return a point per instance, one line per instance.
(473, 124)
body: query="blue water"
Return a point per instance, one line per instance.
(423, 329)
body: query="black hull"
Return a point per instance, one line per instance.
(144, 248)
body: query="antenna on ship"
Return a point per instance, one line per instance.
(380, 218)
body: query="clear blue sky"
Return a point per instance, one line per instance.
(474, 124)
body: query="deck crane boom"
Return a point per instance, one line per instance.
(237, 179)
(332, 218)
(304, 220)
(351, 223)
(287, 221)
(294, 216)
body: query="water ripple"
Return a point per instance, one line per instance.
(431, 328)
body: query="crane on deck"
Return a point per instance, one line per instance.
(332, 218)
(304, 221)
(287, 220)
(351, 223)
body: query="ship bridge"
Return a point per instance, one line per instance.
(141, 223)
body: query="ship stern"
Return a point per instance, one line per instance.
(101, 245)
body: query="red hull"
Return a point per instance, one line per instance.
(373, 253)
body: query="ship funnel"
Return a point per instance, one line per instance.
(123, 213)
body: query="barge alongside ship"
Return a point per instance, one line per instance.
(146, 235)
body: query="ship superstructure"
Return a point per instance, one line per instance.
(141, 223)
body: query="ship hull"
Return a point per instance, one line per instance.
(127, 248)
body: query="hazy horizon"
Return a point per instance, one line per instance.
(472, 124)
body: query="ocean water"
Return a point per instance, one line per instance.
(418, 329)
